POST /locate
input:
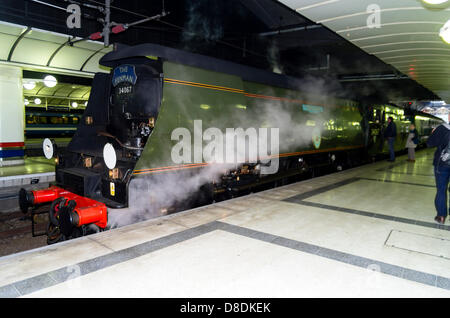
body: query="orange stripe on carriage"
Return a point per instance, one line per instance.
(199, 165)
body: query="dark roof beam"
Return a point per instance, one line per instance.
(294, 29)
(373, 77)
(13, 47)
(89, 58)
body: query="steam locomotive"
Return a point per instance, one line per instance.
(121, 156)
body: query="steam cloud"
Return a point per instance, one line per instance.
(273, 56)
(200, 26)
(148, 199)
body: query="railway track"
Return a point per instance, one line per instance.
(10, 234)
(16, 231)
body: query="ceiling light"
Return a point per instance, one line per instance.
(74, 104)
(434, 1)
(26, 101)
(29, 85)
(37, 101)
(50, 81)
(85, 104)
(445, 32)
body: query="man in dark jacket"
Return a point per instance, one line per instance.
(439, 138)
(390, 133)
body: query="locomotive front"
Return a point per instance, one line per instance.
(94, 171)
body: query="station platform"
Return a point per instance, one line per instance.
(35, 173)
(363, 232)
(34, 168)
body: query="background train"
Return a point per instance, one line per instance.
(377, 117)
(58, 124)
(119, 166)
(47, 123)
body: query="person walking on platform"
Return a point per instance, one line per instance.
(390, 133)
(440, 138)
(411, 143)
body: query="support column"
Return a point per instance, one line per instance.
(12, 116)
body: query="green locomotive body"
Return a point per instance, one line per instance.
(153, 92)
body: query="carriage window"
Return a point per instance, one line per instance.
(31, 120)
(378, 115)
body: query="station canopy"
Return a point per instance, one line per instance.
(329, 40)
(66, 95)
(40, 50)
(407, 36)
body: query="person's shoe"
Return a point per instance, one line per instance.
(440, 219)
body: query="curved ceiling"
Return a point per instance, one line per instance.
(37, 49)
(63, 94)
(407, 36)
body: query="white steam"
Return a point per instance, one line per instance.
(273, 56)
(200, 26)
(152, 198)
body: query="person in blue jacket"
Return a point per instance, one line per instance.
(439, 138)
(390, 133)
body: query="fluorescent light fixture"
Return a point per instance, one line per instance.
(435, 1)
(445, 32)
(50, 81)
(37, 101)
(74, 104)
(29, 85)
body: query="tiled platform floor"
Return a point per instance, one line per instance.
(365, 232)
